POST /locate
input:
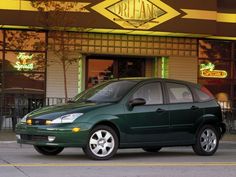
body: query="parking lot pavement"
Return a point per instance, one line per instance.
(24, 161)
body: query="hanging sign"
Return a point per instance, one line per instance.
(136, 14)
(208, 70)
(24, 62)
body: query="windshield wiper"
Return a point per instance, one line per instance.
(70, 101)
(86, 101)
(90, 101)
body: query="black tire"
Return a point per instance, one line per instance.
(101, 144)
(207, 141)
(152, 149)
(48, 150)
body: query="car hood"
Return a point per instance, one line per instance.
(53, 112)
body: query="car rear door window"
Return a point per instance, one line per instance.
(203, 94)
(152, 93)
(179, 93)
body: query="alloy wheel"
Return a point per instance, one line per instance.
(208, 140)
(101, 143)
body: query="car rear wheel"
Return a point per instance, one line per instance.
(48, 150)
(207, 141)
(102, 143)
(152, 149)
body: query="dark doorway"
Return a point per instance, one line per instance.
(102, 68)
(130, 67)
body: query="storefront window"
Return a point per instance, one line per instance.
(0, 71)
(214, 69)
(1, 47)
(1, 61)
(22, 69)
(24, 82)
(215, 49)
(235, 50)
(1, 39)
(99, 71)
(220, 88)
(24, 62)
(25, 40)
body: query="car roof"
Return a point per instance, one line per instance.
(148, 79)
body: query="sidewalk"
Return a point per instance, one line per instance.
(229, 137)
(9, 135)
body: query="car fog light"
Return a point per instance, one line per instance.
(75, 130)
(18, 137)
(51, 138)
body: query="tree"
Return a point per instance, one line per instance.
(54, 17)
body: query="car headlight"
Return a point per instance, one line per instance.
(23, 120)
(68, 118)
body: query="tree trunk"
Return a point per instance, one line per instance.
(65, 79)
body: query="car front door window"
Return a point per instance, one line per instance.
(151, 93)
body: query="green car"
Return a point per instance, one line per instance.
(128, 113)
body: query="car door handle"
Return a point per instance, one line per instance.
(159, 110)
(194, 107)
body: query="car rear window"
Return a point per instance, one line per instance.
(204, 94)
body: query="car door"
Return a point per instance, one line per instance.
(184, 112)
(148, 122)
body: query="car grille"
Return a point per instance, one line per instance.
(34, 137)
(38, 122)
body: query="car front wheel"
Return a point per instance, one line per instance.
(207, 141)
(102, 143)
(48, 150)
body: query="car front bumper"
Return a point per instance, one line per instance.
(53, 135)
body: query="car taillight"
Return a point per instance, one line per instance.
(206, 91)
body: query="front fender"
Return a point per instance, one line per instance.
(102, 117)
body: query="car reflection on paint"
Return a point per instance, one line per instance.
(127, 113)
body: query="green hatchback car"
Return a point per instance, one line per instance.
(127, 113)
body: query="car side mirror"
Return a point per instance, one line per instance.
(136, 102)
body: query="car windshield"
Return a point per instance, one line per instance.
(111, 91)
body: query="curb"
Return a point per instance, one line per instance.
(7, 142)
(227, 142)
